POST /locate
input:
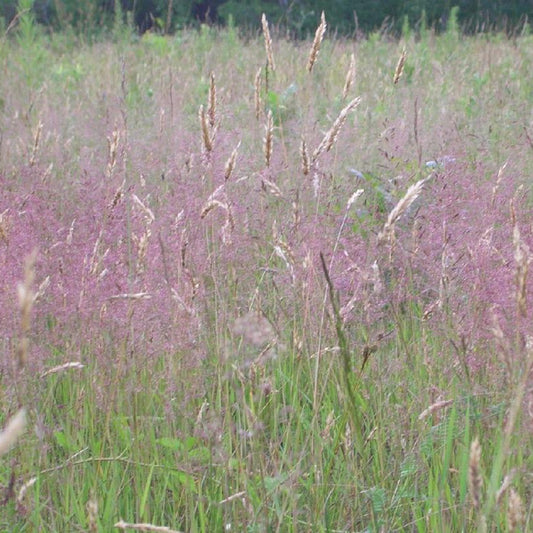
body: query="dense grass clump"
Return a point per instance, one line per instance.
(274, 287)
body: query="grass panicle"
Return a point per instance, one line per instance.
(257, 94)
(317, 41)
(399, 67)
(144, 527)
(12, 431)
(350, 78)
(331, 136)
(206, 130)
(268, 140)
(475, 481)
(515, 512)
(212, 101)
(268, 43)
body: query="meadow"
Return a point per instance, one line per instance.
(253, 284)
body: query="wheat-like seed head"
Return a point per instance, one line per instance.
(12, 431)
(24, 489)
(499, 179)
(268, 43)
(434, 408)
(212, 106)
(522, 259)
(515, 513)
(230, 163)
(92, 514)
(257, 93)
(112, 143)
(474, 473)
(399, 67)
(36, 142)
(271, 188)
(350, 78)
(506, 483)
(317, 41)
(387, 234)
(268, 140)
(348, 439)
(330, 422)
(61, 368)
(26, 297)
(331, 136)
(305, 157)
(210, 205)
(206, 134)
(4, 226)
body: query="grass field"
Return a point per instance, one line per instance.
(262, 288)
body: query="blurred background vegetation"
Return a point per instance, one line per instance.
(298, 17)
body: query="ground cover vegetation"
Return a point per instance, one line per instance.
(265, 285)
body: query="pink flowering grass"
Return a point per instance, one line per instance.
(125, 249)
(183, 313)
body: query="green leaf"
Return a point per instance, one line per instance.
(145, 493)
(201, 454)
(61, 439)
(175, 445)
(185, 480)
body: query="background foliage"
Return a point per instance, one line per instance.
(298, 16)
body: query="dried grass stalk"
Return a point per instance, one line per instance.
(399, 67)
(12, 431)
(317, 41)
(132, 296)
(233, 497)
(144, 527)
(434, 408)
(331, 136)
(268, 43)
(350, 78)
(60, 368)
(257, 93)
(474, 473)
(206, 134)
(212, 104)
(148, 213)
(387, 234)
(269, 138)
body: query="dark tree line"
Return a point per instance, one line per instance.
(298, 16)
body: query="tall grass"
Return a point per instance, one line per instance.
(266, 297)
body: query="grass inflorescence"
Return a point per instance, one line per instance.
(248, 296)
